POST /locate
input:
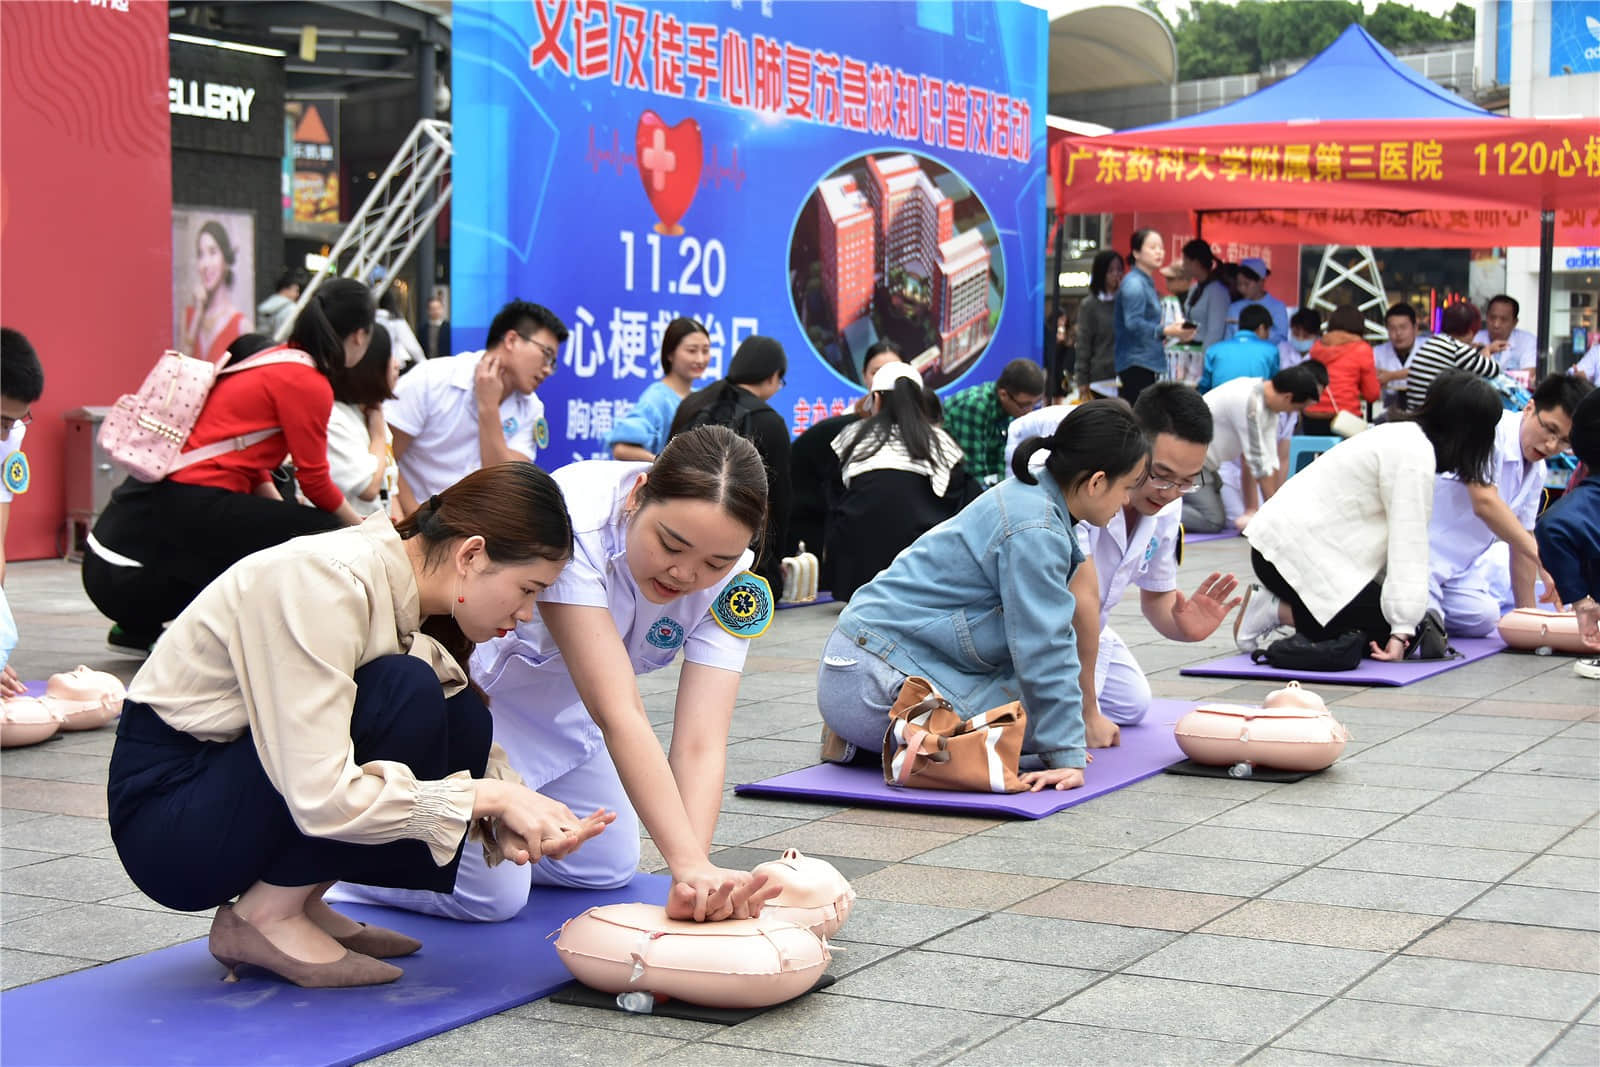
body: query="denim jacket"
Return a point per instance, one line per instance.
(1138, 324)
(979, 606)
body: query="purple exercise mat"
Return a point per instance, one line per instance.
(823, 597)
(1146, 750)
(1200, 538)
(171, 1007)
(1371, 671)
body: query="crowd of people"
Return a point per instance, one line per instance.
(341, 746)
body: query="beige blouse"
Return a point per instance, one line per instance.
(272, 647)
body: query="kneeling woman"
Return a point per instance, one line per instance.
(657, 568)
(979, 605)
(1343, 546)
(308, 718)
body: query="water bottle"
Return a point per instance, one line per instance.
(1242, 769)
(637, 1001)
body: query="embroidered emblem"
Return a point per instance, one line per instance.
(17, 473)
(665, 633)
(745, 607)
(1150, 550)
(510, 426)
(541, 433)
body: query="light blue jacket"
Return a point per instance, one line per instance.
(1138, 324)
(979, 606)
(648, 423)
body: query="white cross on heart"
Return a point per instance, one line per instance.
(658, 161)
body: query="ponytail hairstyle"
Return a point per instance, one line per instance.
(515, 507)
(673, 336)
(903, 413)
(339, 308)
(1460, 415)
(1101, 435)
(714, 464)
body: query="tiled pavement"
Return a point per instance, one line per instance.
(1434, 898)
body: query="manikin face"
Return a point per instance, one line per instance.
(529, 360)
(692, 356)
(1499, 321)
(208, 262)
(1544, 433)
(1174, 463)
(495, 597)
(1098, 500)
(1402, 332)
(679, 546)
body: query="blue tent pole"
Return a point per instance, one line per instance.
(1547, 251)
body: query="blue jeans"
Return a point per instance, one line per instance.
(855, 691)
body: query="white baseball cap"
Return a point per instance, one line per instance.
(885, 377)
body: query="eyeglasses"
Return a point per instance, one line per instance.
(549, 353)
(6, 422)
(1163, 483)
(1563, 441)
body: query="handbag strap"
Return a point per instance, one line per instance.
(908, 755)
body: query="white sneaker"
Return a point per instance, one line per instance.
(1258, 618)
(1587, 668)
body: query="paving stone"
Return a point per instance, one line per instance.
(888, 922)
(1491, 988)
(1355, 797)
(917, 820)
(1579, 1046)
(983, 890)
(1258, 964)
(1385, 892)
(1267, 846)
(1522, 709)
(937, 979)
(21, 857)
(793, 754)
(706, 1054)
(1161, 807)
(783, 809)
(1584, 842)
(1479, 718)
(61, 798)
(14, 906)
(861, 1031)
(1471, 833)
(1559, 872)
(1501, 783)
(854, 839)
(1186, 1009)
(1039, 1041)
(1413, 1034)
(62, 834)
(1087, 826)
(1321, 924)
(98, 932)
(849, 957)
(490, 1040)
(1016, 856)
(1432, 861)
(737, 828)
(1059, 942)
(547, 1010)
(1273, 1056)
(1396, 775)
(1124, 905)
(1537, 907)
(71, 878)
(1296, 819)
(1525, 946)
(1197, 874)
(19, 968)
(1410, 749)
(1186, 785)
(53, 765)
(745, 857)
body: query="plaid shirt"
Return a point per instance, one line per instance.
(976, 420)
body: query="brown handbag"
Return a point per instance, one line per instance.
(929, 746)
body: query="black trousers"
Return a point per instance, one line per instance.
(1364, 613)
(185, 536)
(196, 823)
(1316, 426)
(1135, 380)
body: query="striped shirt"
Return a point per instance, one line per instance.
(1436, 355)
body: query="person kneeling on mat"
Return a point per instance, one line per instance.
(1141, 544)
(1569, 535)
(1472, 582)
(308, 718)
(1343, 546)
(981, 605)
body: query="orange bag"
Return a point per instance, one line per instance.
(929, 746)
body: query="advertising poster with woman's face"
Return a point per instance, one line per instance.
(213, 279)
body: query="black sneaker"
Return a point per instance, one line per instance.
(125, 643)
(1430, 641)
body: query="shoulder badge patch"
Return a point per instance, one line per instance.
(17, 473)
(1177, 545)
(745, 607)
(666, 633)
(541, 433)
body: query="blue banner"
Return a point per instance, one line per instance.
(1574, 37)
(826, 174)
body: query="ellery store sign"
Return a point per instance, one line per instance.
(209, 100)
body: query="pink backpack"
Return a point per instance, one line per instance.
(146, 431)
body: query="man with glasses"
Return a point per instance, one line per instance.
(453, 415)
(1245, 411)
(1142, 546)
(1482, 557)
(978, 417)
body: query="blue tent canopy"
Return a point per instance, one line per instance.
(1354, 78)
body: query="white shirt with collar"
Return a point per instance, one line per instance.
(1146, 557)
(540, 720)
(10, 444)
(1590, 363)
(1457, 537)
(1242, 425)
(1523, 353)
(437, 407)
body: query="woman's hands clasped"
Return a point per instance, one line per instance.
(530, 826)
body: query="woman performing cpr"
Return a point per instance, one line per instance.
(658, 567)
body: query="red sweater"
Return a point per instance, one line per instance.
(299, 399)
(1352, 374)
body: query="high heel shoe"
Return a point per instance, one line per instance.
(378, 942)
(234, 941)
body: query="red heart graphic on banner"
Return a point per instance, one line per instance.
(669, 160)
